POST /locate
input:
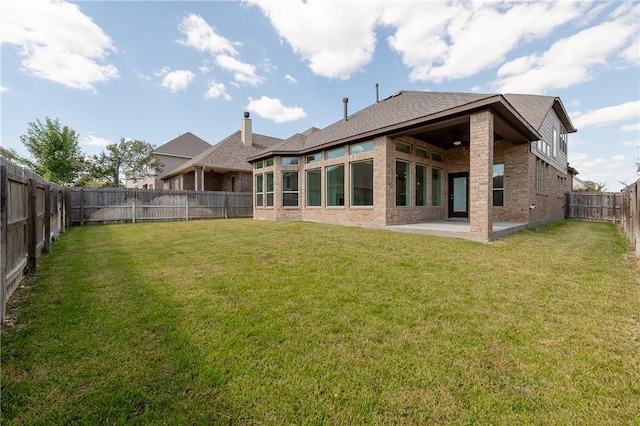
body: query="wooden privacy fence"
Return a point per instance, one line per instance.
(630, 215)
(600, 206)
(113, 205)
(33, 213)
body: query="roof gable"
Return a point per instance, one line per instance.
(228, 154)
(534, 109)
(186, 145)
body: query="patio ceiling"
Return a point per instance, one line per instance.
(445, 133)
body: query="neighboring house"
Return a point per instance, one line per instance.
(577, 184)
(172, 154)
(224, 166)
(423, 156)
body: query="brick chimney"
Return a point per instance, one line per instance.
(245, 130)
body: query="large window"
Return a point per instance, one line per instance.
(358, 148)
(421, 185)
(289, 189)
(403, 147)
(270, 189)
(335, 185)
(498, 185)
(436, 187)
(362, 183)
(289, 161)
(259, 190)
(314, 187)
(563, 139)
(541, 176)
(402, 183)
(336, 153)
(312, 158)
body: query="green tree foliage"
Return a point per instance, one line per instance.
(590, 186)
(55, 151)
(13, 155)
(131, 159)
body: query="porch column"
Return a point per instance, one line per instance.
(199, 178)
(481, 173)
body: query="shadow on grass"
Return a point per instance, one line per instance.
(103, 347)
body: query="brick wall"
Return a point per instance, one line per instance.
(519, 185)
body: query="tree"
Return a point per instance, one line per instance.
(590, 186)
(55, 150)
(132, 159)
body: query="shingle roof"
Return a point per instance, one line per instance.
(534, 108)
(229, 154)
(186, 145)
(408, 106)
(399, 108)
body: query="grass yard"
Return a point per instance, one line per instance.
(248, 322)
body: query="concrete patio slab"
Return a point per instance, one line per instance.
(459, 229)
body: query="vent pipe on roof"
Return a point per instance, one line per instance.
(377, 94)
(345, 101)
(245, 130)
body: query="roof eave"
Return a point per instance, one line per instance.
(561, 112)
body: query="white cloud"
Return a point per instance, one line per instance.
(58, 42)
(242, 72)
(93, 140)
(568, 62)
(204, 69)
(607, 116)
(217, 90)
(290, 79)
(631, 127)
(438, 40)
(3, 89)
(335, 41)
(272, 109)
(463, 39)
(177, 80)
(619, 158)
(202, 37)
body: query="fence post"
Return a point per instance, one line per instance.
(81, 206)
(67, 206)
(47, 219)
(186, 211)
(32, 233)
(3, 239)
(226, 205)
(133, 207)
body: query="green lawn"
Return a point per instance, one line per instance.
(249, 322)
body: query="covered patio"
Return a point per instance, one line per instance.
(460, 228)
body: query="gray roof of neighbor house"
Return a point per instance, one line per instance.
(408, 109)
(186, 145)
(228, 154)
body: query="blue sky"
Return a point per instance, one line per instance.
(152, 70)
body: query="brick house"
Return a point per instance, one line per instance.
(172, 154)
(223, 166)
(423, 156)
